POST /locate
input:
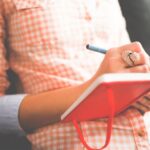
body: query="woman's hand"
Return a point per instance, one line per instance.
(114, 61)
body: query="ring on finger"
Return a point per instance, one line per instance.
(130, 57)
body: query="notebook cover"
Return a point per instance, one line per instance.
(93, 103)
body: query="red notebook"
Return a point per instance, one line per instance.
(107, 96)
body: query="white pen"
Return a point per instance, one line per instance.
(96, 49)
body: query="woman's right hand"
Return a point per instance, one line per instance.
(114, 63)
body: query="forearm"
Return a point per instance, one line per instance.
(46, 108)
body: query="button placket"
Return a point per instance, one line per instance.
(141, 133)
(138, 128)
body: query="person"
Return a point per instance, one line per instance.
(45, 44)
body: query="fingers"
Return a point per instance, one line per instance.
(135, 60)
(134, 46)
(138, 69)
(138, 55)
(131, 54)
(132, 58)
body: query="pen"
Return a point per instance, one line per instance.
(96, 49)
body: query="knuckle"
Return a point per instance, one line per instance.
(137, 44)
(146, 68)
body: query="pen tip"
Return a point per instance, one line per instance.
(87, 46)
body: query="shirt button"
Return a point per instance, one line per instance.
(141, 133)
(88, 18)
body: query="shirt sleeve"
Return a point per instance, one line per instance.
(9, 107)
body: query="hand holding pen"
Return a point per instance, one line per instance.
(128, 56)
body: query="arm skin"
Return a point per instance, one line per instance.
(46, 108)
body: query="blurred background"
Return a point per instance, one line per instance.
(137, 15)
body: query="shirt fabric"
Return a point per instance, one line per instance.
(47, 50)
